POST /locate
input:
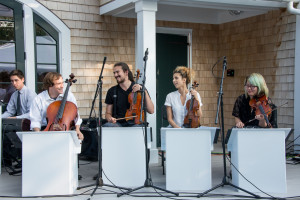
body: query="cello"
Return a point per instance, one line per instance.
(135, 100)
(61, 114)
(192, 120)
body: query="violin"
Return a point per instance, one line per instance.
(61, 114)
(192, 120)
(135, 109)
(261, 106)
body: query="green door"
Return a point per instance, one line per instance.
(171, 51)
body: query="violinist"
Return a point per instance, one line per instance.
(117, 97)
(245, 115)
(176, 101)
(54, 90)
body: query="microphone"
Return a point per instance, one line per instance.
(225, 61)
(104, 60)
(146, 55)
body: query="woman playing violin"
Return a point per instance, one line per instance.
(176, 101)
(247, 115)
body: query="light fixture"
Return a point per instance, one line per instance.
(235, 12)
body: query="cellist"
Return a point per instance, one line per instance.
(117, 97)
(54, 91)
(176, 101)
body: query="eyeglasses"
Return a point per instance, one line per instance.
(252, 87)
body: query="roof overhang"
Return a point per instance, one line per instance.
(197, 11)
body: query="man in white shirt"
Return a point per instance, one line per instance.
(54, 88)
(20, 101)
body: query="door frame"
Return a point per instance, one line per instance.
(180, 31)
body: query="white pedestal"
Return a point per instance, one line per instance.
(49, 162)
(123, 155)
(0, 139)
(188, 158)
(259, 154)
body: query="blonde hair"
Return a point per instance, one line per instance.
(257, 80)
(185, 72)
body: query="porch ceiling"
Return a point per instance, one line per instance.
(197, 11)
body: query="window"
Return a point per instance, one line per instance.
(46, 50)
(47, 42)
(11, 45)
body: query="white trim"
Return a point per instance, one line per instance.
(116, 7)
(291, 9)
(297, 83)
(228, 4)
(29, 47)
(60, 27)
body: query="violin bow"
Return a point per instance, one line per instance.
(126, 117)
(271, 111)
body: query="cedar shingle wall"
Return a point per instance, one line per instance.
(263, 44)
(93, 37)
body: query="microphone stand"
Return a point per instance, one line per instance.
(95, 96)
(99, 180)
(148, 182)
(220, 104)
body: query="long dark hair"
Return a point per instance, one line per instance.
(125, 68)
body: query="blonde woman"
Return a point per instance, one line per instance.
(176, 101)
(255, 86)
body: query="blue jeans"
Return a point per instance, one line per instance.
(124, 124)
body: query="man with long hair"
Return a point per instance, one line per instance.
(117, 97)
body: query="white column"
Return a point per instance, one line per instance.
(296, 85)
(29, 48)
(146, 38)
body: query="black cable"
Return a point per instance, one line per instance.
(112, 183)
(149, 171)
(293, 140)
(212, 69)
(248, 180)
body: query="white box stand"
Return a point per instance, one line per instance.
(123, 155)
(188, 158)
(0, 139)
(259, 154)
(49, 162)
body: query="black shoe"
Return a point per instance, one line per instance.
(18, 166)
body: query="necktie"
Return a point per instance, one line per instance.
(19, 111)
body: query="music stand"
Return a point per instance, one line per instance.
(148, 181)
(99, 180)
(220, 104)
